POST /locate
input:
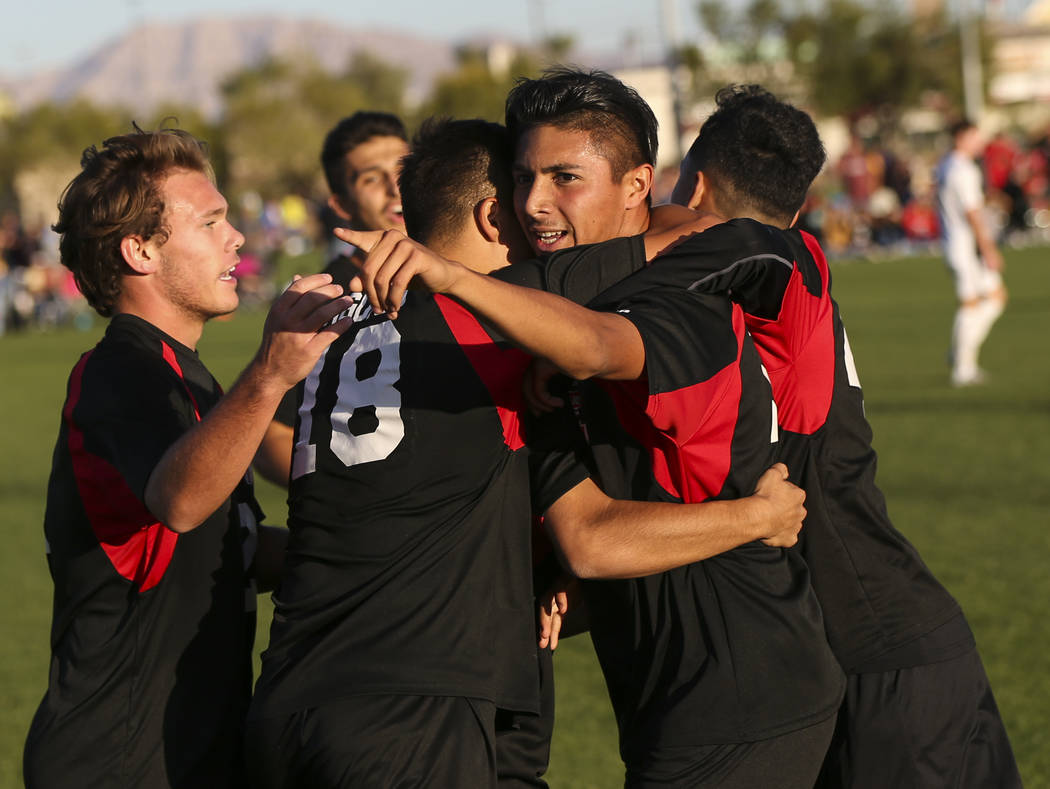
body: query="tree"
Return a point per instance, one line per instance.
(476, 89)
(849, 57)
(278, 112)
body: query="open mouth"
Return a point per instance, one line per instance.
(548, 239)
(227, 275)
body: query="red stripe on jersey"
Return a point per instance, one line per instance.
(798, 349)
(688, 433)
(169, 356)
(500, 369)
(139, 547)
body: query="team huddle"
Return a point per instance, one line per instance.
(587, 412)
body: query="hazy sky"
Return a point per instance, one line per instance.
(37, 34)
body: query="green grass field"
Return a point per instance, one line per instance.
(965, 473)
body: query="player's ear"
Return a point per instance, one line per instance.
(141, 255)
(638, 183)
(699, 188)
(487, 218)
(338, 208)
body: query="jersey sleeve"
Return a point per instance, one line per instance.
(581, 272)
(558, 456)
(743, 259)
(127, 416)
(553, 474)
(690, 340)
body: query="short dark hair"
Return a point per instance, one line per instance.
(117, 194)
(347, 135)
(619, 121)
(960, 126)
(758, 152)
(451, 166)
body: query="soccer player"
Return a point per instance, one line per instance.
(918, 711)
(405, 618)
(361, 159)
(970, 252)
(151, 524)
(719, 672)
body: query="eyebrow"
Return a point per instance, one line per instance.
(369, 169)
(550, 168)
(216, 212)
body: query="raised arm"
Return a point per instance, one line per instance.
(599, 537)
(201, 469)
(580, 342)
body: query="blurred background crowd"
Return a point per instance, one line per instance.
(884, 80)
(871, 202)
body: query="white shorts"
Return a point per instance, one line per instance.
(973, 279)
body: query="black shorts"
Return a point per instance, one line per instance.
(523, 740)
(790, 761)
(376, 742)
(924, 727)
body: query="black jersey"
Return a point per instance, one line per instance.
(408, 563)
(878, 596)
(152, 631)
(726, 650)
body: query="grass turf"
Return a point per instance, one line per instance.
(963, 470)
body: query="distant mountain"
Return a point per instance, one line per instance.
(187, 61)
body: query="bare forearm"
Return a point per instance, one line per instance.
(582, 343)
(200, 470)
(598, 537)
(273, 460)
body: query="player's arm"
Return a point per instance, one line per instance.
(273, 460)
(200, 470)
(580, 342)
(990, 253)
(599, 537)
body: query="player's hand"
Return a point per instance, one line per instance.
(534, 387)
(300, 326)
(393, 261)
(554, 604)
(784, 502)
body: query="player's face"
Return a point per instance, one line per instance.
(196, 263)
(564, 191)
(972, 142)
(372, 200)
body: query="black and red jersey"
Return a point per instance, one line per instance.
(730, 649)
(152, 631)
(408, 564)
(879, 598)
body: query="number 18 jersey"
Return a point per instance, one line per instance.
(408, 566)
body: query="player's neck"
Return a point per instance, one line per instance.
(171, 320)
(473, 252)
(636, 221)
